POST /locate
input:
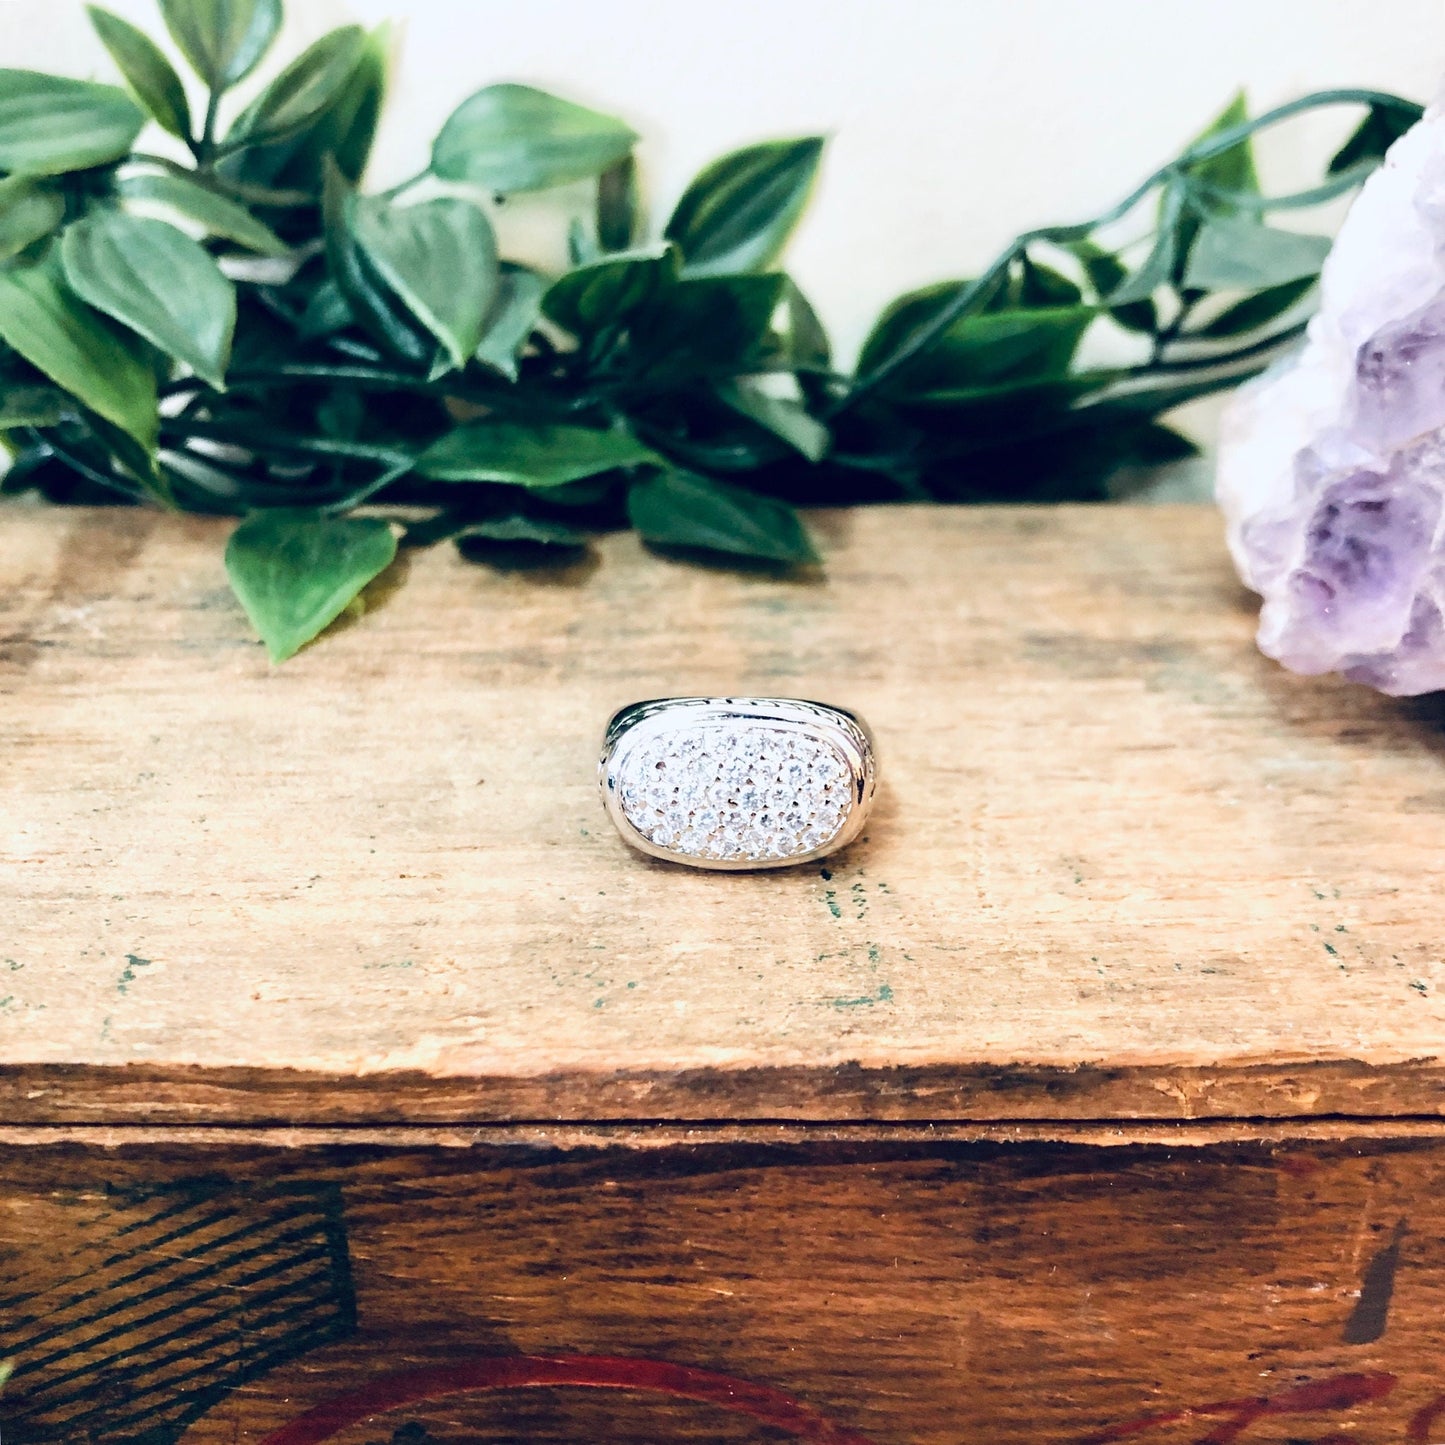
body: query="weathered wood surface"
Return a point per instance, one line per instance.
(1121, 867)
(904, 1293)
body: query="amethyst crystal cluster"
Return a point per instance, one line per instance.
(1332, 464)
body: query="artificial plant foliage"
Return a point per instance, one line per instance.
(252, 331)
(297, 570)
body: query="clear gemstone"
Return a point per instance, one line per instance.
(736, 791)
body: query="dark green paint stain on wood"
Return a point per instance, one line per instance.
(127, 974)
(883, 994)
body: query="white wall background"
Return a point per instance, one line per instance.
(954, 123)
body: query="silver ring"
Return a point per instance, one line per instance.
(737, 782)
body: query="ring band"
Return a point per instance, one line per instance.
(737, 782)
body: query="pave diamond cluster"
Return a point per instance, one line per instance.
(730, 793)
(725, 783)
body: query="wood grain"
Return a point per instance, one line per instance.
(899, 1293)
(1122, 866)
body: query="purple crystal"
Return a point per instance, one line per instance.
(1362, 561)
(1399, 391)
(1332, 466)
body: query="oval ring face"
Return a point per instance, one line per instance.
(737, 783)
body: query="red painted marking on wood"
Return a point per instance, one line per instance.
(1339, 1392)
(1419, 1430)
(595, 1372)
(1299, 1165)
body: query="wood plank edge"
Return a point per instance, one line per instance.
(148, 1095)
(1104, 1135)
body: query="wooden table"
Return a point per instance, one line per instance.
(359, 1085)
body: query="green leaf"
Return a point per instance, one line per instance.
(529, 455)
(608, 292)
(50, 125)
(348, 129)
(326, 313)
(582, 247)
(302, 91)
(342, 414)
(518, 541)
(680, 509)
(739, 212)
(900, 318)
(1000, 408)
(1380, 129)
(32, 406)
(1007, 346)
(159, 282)
(344, 131)
(512, 138)
(1133, 402)
(439, 257)
(806, 340)
(218, 215)
(296, 571)
(1256, 311)
(905, 315)
(617, 205)
(224, 40)
(368, 298)
(589, 492)
(788, 420)
(43, 320)
(1232, 253)
(28, 211)
(1156, 445)
(1158, 267)
(707, 325)
(1105, 272)
(149, 74)
(1043, 287)
(518, 527)
(1219, 186)
(514, 314)
(1231, 170)
(986, 350)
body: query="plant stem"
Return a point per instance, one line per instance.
(272, 441)
(208, 130)
(306, 371)
(503, 396)
(406, 185)
(370, 489)
(1230, 358)
(1292, 201)
(83, 468)
(1170, 333)
(212, 180)
(972, 294)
